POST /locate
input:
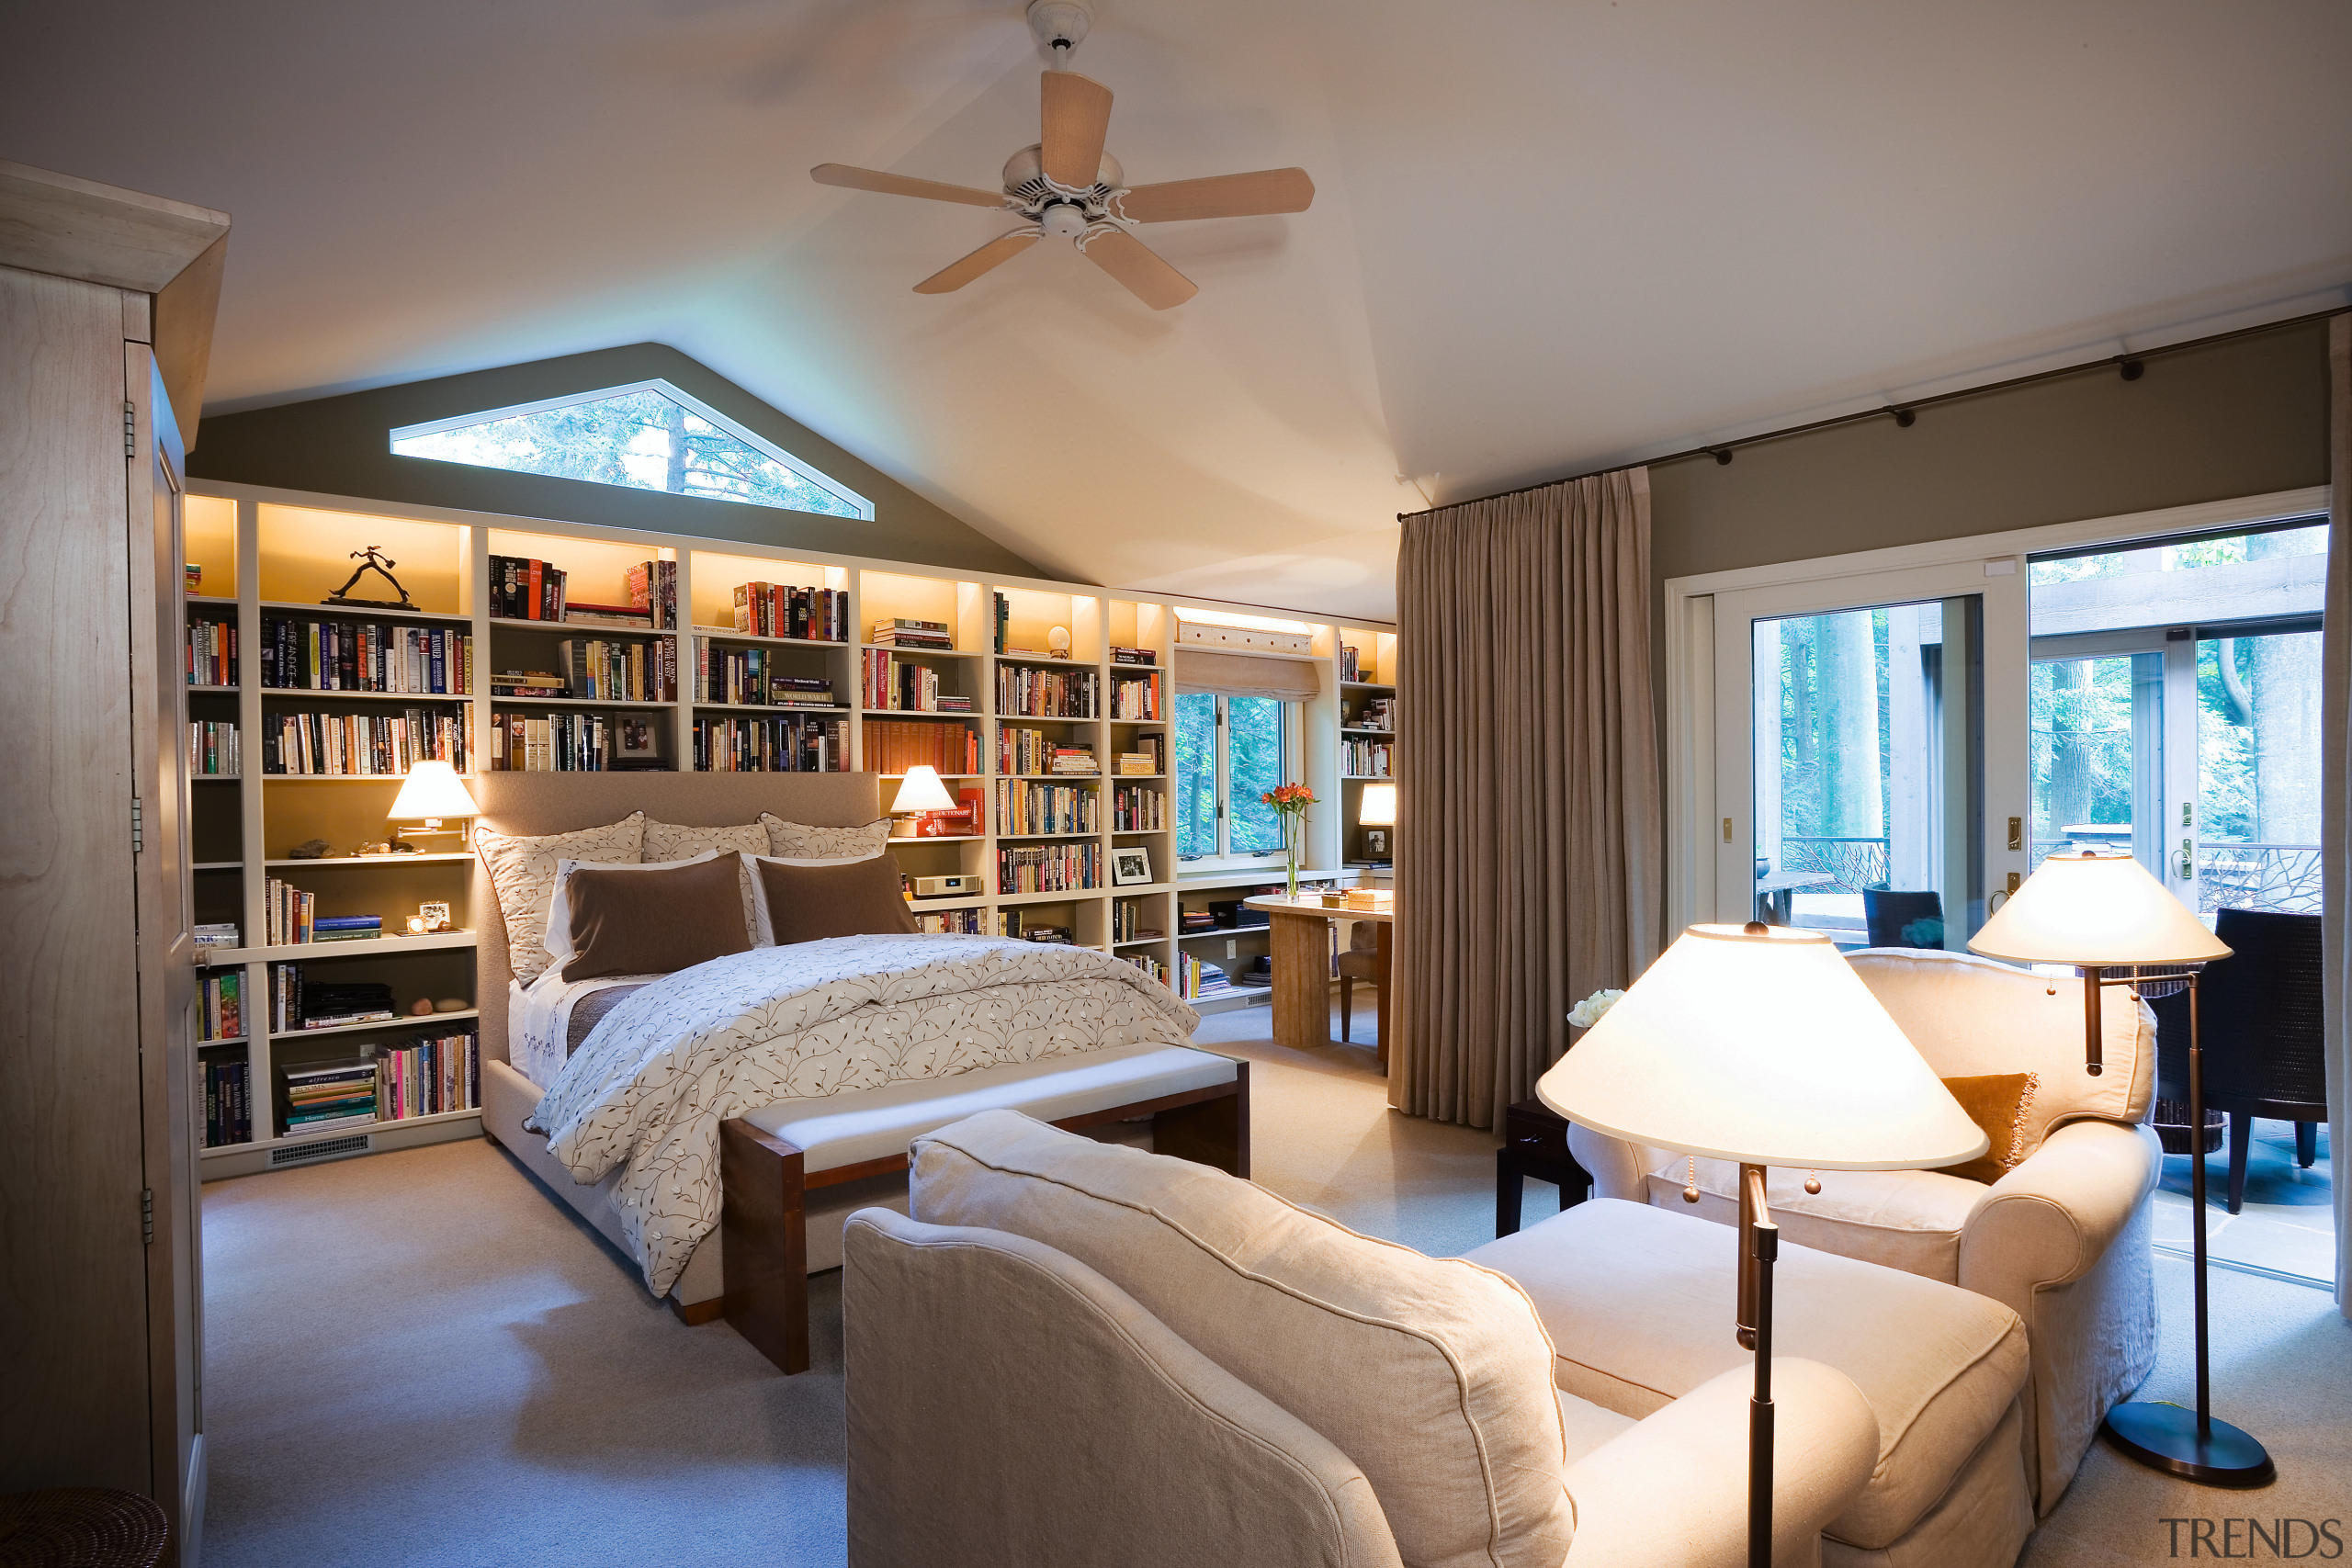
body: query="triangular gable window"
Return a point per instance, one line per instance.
(646, 437)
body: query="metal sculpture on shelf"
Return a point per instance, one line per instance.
(373, 560)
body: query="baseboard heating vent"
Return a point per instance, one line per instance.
(325, 1148)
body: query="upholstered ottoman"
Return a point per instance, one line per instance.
(1640, 1303)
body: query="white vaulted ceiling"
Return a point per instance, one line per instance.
(1548, 235)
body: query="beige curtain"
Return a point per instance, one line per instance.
(2335, 805)
(1530, 856)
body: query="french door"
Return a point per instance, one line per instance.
(1870, 765)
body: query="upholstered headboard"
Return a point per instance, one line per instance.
(562, 803)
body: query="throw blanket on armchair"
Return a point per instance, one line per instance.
(650, 1085)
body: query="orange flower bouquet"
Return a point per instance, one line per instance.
(1290, 801)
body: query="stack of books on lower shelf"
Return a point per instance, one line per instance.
(221, 1015)
(346, 928)
(1133, 655)
(297, 1004)
(328, 1097)
(228, 1105)
(902, 633)
(1196, 981)
(952, 922)
(1049, 868)
(1148, 965)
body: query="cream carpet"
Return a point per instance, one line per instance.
(421, 1358)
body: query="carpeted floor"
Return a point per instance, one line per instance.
(421, 1359)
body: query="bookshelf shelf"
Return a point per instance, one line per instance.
(373, 860)
(215, 778)
(294, 1140)
(368, 947)
(407, 1020)
(275, 607)
(277, 553)
(233, 1040)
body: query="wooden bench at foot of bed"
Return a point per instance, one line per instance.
(771, 1159)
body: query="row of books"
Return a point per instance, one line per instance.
(428, 1076)
(1022, 750)
(1036, 693)
(1353, 668)
(362, 656)
(1135, 809)
(1048, 868)
(573, 742)
(1030, 808)
(211, 653)
(1367, 758)
(227, 1108)
(1148, 965)
(522, 589)
(898, 686)
(893, 747)
(776, 609)
(800, 744)
(1126, 922)
(213, 748)
(652, 589)
(342, 745)
(291, 915)
(298, 1003)
(901, 633)
(755, 677)
(1377, 713)
(220, 1013)
(1135, 697)
(1197, 980)
(952, 922)
(1148, 758)
(618, 672)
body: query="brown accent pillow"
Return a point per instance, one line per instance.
(1997, 1102)
(810, 903)
(653, 922)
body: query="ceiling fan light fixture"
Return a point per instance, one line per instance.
(1063, 221)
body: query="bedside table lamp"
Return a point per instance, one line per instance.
(920, 790)
(431, 791)
(1760, 1044)
(2105, 916)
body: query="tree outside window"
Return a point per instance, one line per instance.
(1229, 751)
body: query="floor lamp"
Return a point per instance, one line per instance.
(1760, 1044)
(2105, 916)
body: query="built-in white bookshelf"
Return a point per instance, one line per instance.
(269, 554)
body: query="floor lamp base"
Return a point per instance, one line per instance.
(2163, 1436)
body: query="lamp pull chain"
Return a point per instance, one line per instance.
(1691, 1189)
(1811, 1183)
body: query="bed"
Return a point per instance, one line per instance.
(1103, 1023)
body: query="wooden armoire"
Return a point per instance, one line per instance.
(106, 299)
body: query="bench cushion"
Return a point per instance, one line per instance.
(1431, 1374)
(1641, 1304)
(873, 1123)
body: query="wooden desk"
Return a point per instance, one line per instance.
(1301, 943)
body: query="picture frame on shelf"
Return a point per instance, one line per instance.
(1375, 844)
(637, 738)
(1129, 865)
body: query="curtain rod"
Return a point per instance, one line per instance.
(2132, 364)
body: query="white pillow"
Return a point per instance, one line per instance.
(557, 940)
(674, 842)
(522, 871)
(763, 930)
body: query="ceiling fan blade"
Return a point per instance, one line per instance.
(1219, 195)
(995, 254)
(849, 178)
(1076, 116)
(1139, 267)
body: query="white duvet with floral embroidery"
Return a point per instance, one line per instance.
(649, 1087)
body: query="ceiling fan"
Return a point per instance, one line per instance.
(1067, 186)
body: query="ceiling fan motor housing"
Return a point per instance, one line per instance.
(1060, 25)
(1034, 194)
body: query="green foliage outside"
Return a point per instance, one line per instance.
(1254, 731)
(642, 440)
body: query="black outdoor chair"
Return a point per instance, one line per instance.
(2258, 1018)
(1903, 919)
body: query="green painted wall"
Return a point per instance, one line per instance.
(341, 446)
(2241, 416)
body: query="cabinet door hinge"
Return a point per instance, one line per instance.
(138, 825)
(147, 1216)
(131, 430)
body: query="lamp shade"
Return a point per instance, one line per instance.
(920, 790)
(1378, 807)
(431, 790)
(1763, 1046)
(2094, 910)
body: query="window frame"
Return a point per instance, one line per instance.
(692, 404)
(1224, 857)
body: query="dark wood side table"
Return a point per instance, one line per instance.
(1535, 1142)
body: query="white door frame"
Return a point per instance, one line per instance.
(1694, 664)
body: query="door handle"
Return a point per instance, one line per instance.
(2188, 860)
(2017, 832)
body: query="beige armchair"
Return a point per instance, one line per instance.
(1104, 1356)
(2062, 1239)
